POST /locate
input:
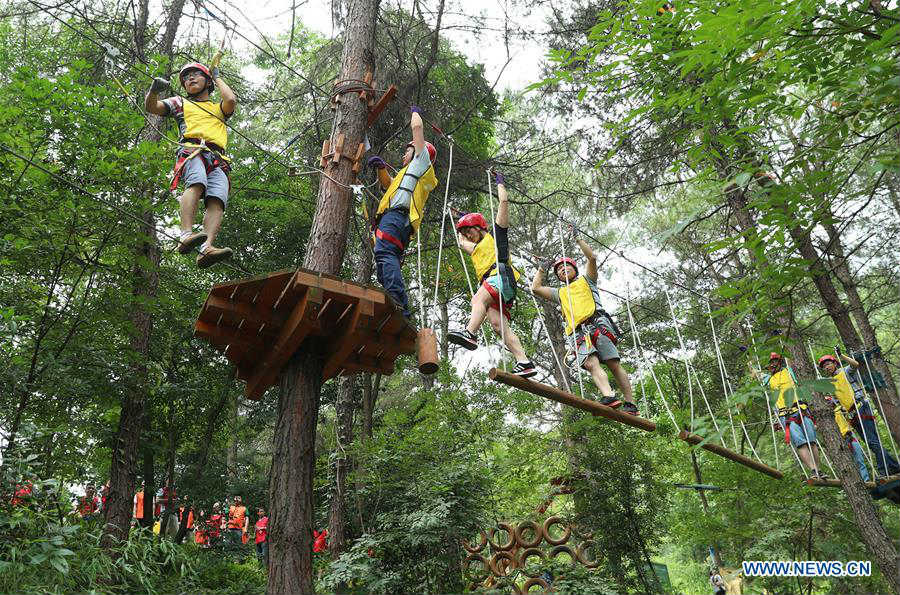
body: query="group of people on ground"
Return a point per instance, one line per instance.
(852, 411)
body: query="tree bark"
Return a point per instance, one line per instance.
(145, 282)
(293, 461)
(344, 408)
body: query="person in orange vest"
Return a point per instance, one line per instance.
(138, 512)
(238, 522)
(495, 273)
(200, 533)
(23, 493)
(262, 537)
(200, 160)
(186, 517)
(214, 525)
(319, 543)
(88, 505)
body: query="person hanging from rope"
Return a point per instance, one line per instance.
(200, 160)
(402, 207)
(490, 258)
(851, 396)
(799, 429)
(597, 334)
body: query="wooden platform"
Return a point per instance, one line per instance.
(730, 455)
(260, 322)
(561, 396)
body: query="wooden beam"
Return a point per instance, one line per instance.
(291, 336)
(730, 455)
(226, 335)
(382, 103)
(836, 483)
(244, 311)
(342, 288)
(561, 396)
(344, 344)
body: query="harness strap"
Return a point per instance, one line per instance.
(388, 238)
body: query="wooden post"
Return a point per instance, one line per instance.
(731, 455)
(294, 440)
(561, 396)
(428, 351)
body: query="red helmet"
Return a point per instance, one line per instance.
(565, 260)
(471, 220)
(432, 152)
(827, 358)
(774, 355)
(196, 66)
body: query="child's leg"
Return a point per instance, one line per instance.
(621, 376)
(598, 374)
(212, 219)
(189, 201)
(481, 302)
(512, 340)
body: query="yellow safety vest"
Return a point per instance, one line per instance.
(783, 382)
(484, 258)
(841, 420)
(206, 120)
(424, 186)
(580, 307)
(843, 391)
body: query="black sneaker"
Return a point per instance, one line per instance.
(611, 402)
(464, 338)
(524, 369)
(629, 408)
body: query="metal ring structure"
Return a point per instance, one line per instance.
(509, 531)
(555, 520)
(475, 549)
(538, 534)
(501, 563)
(564, 549)
(581, 549)
(531, 552)
(467, 567)
(526, 588)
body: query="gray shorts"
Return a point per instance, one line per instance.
(215, 183)
(602, 347)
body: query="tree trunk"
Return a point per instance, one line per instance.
(149, 488)
(337, 521)
(293, 461)
(717, 558)
(145, 282)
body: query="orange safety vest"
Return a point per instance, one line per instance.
(139, 512)
(236, 516)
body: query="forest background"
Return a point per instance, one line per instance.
(648, 128)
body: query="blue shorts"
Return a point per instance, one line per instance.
(215, 183)
(801, 437)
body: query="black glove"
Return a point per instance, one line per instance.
(159, 85)
(214, 72)
(742, 348)
(547, 265)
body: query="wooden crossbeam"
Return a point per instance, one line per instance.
(337, 286)
(561, 396)
(730, 455)
(292, 334)
(243, 310)
(836, 483)
(344, 344)
(225, 336)
(382, 103)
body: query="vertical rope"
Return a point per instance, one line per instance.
(768, 405)
(572, 341)
(437, 279)
(683, 349)
(537, 307)
(803, 424)
(422, 322)
(499, 276)
(462, 259)
(721, 364)
(637, 340)
(708, 407)
(880, 409)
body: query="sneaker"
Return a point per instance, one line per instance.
(189, 241)
(629, 408)
(610, 402)
(463, 338)
(524, 369)
(211, 256)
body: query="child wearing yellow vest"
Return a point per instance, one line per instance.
(596, 335)
(799, 429)
(490, 257)
(200, 161)
(401, 208)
